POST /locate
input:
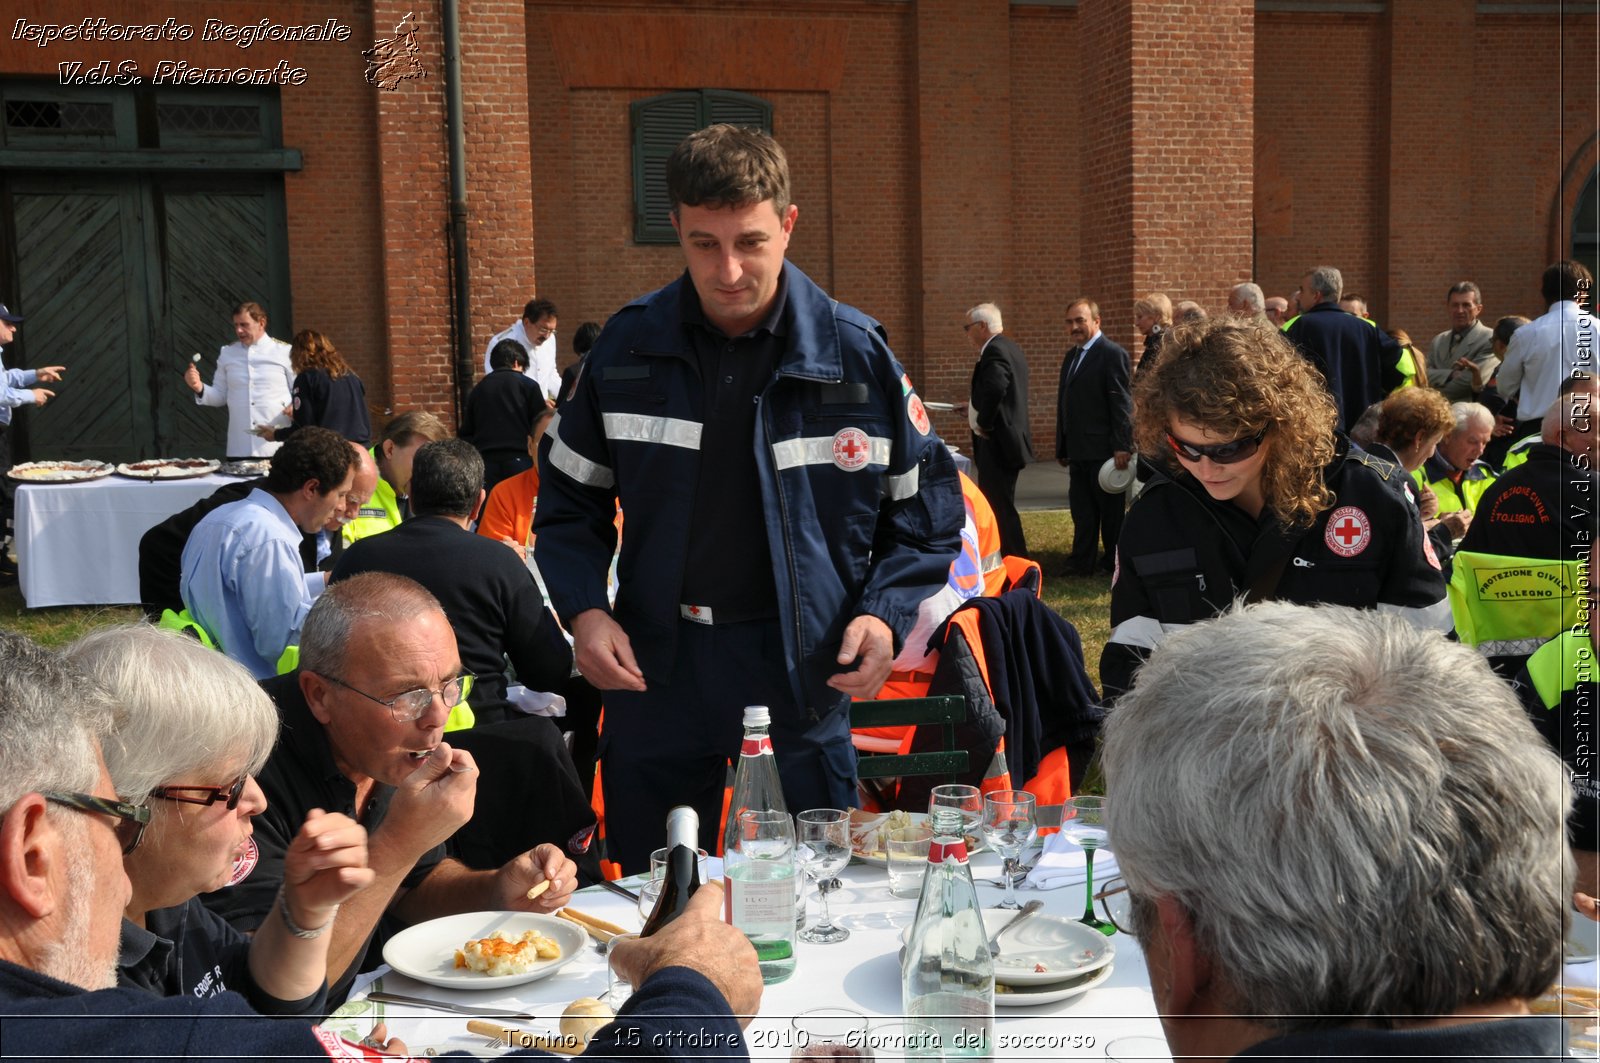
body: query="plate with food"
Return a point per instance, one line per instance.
(1023, 996)
(245, 470)
(1044, 949)
(168, 468)
(485, 950)
(869, 829)
(60, 472)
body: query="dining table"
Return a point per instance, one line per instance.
(861, 973)
(78, 543)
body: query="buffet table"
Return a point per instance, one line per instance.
(78, 544)
(862, 974)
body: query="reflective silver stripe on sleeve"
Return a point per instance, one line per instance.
(638, 428)
(993, 561)
(1509, 647)
(818, 450)
(902, 486)
(586, 472)
(1435, 617)
(1145, 632)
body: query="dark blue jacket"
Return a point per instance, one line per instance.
(675, 1014)
(863, 508)
(1357, 358)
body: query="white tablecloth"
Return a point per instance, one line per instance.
(862, 973)
(78, 544)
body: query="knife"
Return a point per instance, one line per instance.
(442, 1005)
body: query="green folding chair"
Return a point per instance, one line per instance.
(945, 711)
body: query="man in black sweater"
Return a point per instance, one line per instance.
(488, 594)
(499, 412)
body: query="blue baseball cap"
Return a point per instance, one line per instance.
(7, 315)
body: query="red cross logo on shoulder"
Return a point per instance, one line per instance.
(851, 449)
(1349, 531)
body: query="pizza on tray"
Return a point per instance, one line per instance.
(59, 472)
(168, 468)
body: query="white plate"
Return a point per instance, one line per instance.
(427, 951)
(1065, 947)
(57, 472)
(942, 407)
(876, 857)
(1027, 996)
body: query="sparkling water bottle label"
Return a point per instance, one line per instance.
(755, 747)
(755, 903)
(939, 852)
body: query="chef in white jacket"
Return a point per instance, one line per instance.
(253, 381)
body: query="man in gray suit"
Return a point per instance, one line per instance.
(998, 413)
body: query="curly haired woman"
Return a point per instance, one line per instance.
(327, 392)
(1255, 494)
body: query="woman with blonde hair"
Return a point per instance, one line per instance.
(1254, 494)
(1152, 316)
(327, 392)
(194, 730)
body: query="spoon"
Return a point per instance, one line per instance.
(1027, 910)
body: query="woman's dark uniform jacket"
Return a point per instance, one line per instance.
(1184, 557)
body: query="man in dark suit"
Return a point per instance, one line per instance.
(1094, 421)
(1001, 442)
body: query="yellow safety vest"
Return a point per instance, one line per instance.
(1510, 606)
(381, 512)
(1452, 498)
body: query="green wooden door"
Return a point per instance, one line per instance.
(81, 286)
(122, 279)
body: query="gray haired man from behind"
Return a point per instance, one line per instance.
(1341, 838)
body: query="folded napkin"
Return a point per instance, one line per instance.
(1061, 863)
(535, 702)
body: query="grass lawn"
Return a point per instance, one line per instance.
(1086, 601)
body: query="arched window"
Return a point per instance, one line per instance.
(1586, 225)
(659, 124)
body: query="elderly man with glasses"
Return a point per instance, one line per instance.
(1341, 838)
(363, 734)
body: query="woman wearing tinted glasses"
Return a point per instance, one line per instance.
(1255, 494)
(194, 730)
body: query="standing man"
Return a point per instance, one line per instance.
(1246, 300)
(1359, 361)
(254, 381)
(1466, 338)
(18, 390)
(1001, 441)
(739, 397)
(243, 579)
(1094, 421)
(1551, 347)
(499, 411)
(535, 331)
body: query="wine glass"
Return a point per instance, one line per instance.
(968, 800)
(822, 848)
(1009, 826)
(1083, 820)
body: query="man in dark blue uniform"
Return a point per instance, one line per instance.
(787, 507)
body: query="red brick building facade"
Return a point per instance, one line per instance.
(944, 152)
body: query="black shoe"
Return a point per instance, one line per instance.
(1107, 564)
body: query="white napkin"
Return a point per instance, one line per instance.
(535, 702)
(1061, 863)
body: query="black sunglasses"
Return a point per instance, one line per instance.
(204, 795)
(1221, 453)
(131, 820)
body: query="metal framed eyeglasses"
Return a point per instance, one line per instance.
(1115, 904)
(204, 795)
(413, 703)
(131, 820)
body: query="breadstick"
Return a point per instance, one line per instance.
(597, 928)
(534, 893)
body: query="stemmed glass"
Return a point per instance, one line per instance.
(822, 849)
(1009, 826)
(1083, 819)
(968, 800)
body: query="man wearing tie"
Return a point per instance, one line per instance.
(1094, 421)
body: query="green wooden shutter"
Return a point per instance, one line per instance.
(659, 124)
